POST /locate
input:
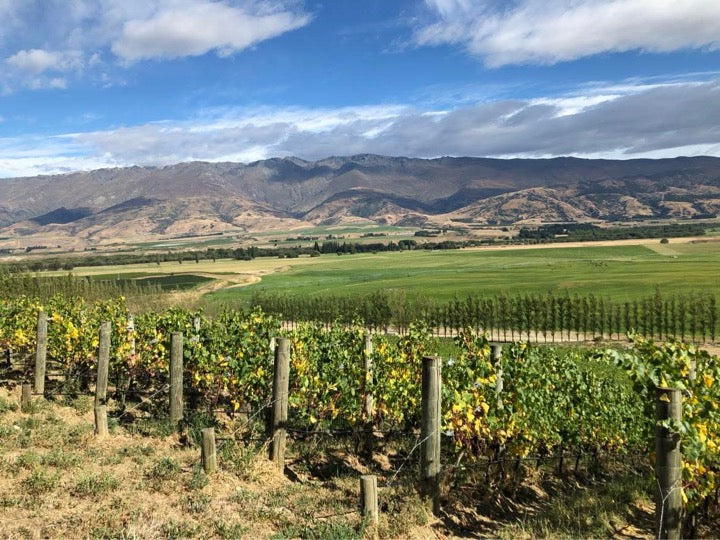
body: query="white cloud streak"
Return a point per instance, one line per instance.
(552, 31)
(664, 120)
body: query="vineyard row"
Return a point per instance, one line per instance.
(529, 400)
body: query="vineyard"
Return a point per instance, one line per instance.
(504, 411)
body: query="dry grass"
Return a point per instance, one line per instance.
(60, 481)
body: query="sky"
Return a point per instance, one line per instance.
(87, 84)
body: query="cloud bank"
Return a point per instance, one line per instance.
(623, 121)
(552, 31)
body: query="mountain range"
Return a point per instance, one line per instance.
(200, 198)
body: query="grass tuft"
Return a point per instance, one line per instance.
(95, 484)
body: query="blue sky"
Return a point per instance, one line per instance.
(104, 83)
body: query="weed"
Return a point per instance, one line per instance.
(40, 482)
(102, 532)
(28, 424)
(164, 469)
(95, 484)
(330, 530)
(195, 421)
(7, 406)
(241, 496)
(198, 503)
(79, 433)
(6, 501)
(27, 460)
(138, 454)
(61, 459)
(230, 531)
(153, 427)
(403, 511)
(5, 431)
(198, 479)
(180, 529)
(238, 458)
(112, 459)
(82, 404)
(34, 406)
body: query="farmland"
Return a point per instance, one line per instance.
(619, 270)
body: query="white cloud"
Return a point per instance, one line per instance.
(33, 61)
(36, 61)
(552, 31)
(195, 28)
(620, 121)
(42, 36)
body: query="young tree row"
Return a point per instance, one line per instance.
(539, 317)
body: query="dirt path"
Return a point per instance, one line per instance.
(219, 281)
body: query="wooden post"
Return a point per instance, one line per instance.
(281, 389)
(25, 397)
(131, 332)
(668, 464)
(8, 357)
(430, 431)
(497, 362)
(41, 353)
(368, 400)
(101, 423)
(369, 499)
(176, 377)
(103, 366)
(692, 375)
(209, 457)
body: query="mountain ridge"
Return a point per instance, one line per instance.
(285, 193)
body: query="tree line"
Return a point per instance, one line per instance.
(543, 317)
(579, 232)
(237, 253)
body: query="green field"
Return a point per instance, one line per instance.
(618, 271)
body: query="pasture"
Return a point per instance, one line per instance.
(620, 270)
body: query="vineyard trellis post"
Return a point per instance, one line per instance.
(368, 400)
(101, 385)
(25, 397)
(131, 332)
(208, 452)
(281, 390)
(176, 377)
(430, 430)
(496, 349)
(668, 463)
(41, 353)
(369, 499)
